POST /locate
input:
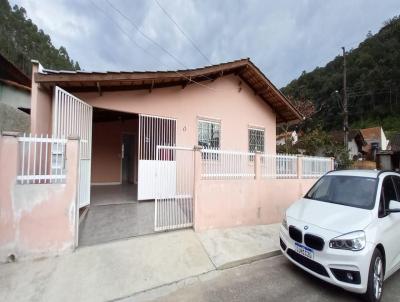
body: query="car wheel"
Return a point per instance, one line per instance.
(375, 278)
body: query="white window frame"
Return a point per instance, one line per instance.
(209, 121)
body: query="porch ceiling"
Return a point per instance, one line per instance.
(82, 81)
(104, 115)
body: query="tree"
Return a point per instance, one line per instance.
(21, 41)
(373, 83)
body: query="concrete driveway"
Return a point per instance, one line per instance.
(273, 279)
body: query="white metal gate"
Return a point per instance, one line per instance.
(73, 117)
(174, 186)
(153, 131)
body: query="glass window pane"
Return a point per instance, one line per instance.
(208, 134)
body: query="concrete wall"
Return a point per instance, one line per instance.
(106, 149)
(229, 203)
(39, 219)
(12, 119)
(236, 202)
(237, 109)
(15, 97)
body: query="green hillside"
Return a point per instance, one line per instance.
(373, 82)
(21, 41)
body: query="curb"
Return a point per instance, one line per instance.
(164, 289)
(248, 260)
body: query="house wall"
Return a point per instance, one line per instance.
(234, 202)
(237, 109)
(353, 148)
(37, 219)
(106, 149)
(384, 141)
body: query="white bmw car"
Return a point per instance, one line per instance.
(346, 230)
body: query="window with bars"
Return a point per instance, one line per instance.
(256, 140)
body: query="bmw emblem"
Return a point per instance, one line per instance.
(306, 227)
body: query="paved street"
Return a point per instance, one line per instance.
(273, 279)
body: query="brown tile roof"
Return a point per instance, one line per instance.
(373, 133)
(107, 81)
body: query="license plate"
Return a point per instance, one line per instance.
(303, 250)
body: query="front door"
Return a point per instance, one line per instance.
(73, 117)
(128, 159)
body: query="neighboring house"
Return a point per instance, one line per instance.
(376, 141)
(15, 98)
(199, 145)
(356, 142)
(390, 159)
(282, 138)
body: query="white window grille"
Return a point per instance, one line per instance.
(42, 159)
(218, 164)
(256, 140)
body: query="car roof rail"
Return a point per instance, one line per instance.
(384, 171)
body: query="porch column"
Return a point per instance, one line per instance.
(41, 105)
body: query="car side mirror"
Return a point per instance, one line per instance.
(394, 207)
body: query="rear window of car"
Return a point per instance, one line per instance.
(353, 191)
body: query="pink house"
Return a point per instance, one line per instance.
(189, 148)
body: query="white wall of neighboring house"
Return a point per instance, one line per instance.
(295, 137)
(353, 148)
(384, 141)
(282, 140)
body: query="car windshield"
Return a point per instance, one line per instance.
(353, 191)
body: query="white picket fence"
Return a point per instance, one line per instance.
(315, 166)
(42, 159)
(221, 164)
(218, 164)
(279, 166)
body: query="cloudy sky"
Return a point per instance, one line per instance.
(282, 37)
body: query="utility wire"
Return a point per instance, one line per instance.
(145, 50)
(183, 32)
(134, 24)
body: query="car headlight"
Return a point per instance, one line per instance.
(284, 223)
(354, 241)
